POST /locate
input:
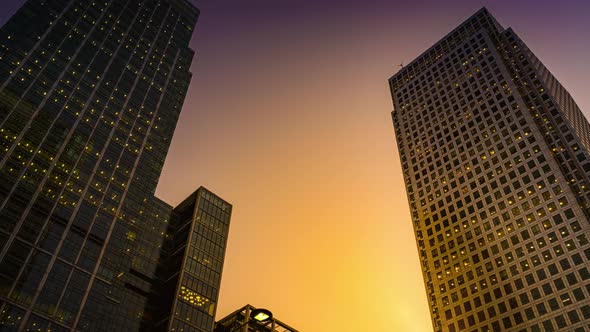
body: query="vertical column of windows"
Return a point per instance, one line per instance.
(449, 191)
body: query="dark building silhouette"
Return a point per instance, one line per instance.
(246, 319)
(495, 157)
(191, 264)
(90, 93)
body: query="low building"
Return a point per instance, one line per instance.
(250, 319)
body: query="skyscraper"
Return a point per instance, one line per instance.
(90, 93)
(495, 158)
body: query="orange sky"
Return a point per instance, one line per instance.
(288, 118)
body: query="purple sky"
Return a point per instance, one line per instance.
(288, 118)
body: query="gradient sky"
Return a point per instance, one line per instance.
(288, 118)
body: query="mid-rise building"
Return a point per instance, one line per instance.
(90, 94)
(191, 264)
(495, 158)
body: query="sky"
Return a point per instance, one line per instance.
(288, 118)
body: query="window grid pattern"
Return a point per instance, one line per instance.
(191, 264)
(502, 241)
(90, 92)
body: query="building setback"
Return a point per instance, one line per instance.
(90, 93)
(495, 158)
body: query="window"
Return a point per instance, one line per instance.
(573, 316)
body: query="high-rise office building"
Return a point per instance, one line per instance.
(90, 93)
(495, 158)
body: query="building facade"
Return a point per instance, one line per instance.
(191, 265)
(90, 93)
(495, 158)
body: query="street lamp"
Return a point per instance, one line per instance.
(256, 316)
(261, 315)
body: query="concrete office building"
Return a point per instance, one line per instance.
(495, 158)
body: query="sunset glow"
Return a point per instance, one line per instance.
(288, 119)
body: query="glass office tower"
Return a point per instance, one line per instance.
(90, 93)
(495, 158)
(191, 264)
